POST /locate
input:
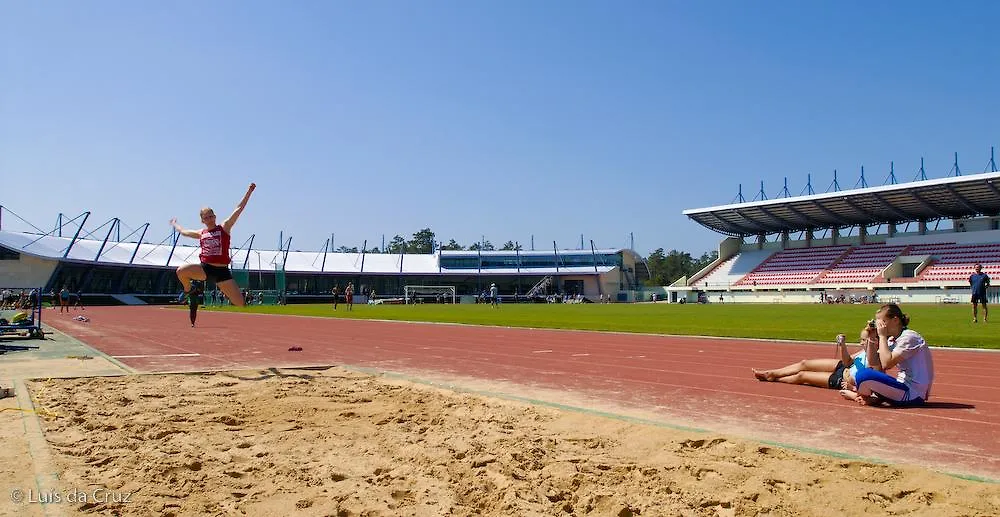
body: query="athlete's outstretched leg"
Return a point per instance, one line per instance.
(807, 365)
(818, 379)
(232, 291)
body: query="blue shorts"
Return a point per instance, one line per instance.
(873, 382)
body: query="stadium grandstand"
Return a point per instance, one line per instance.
(909, 242)
(106, 268)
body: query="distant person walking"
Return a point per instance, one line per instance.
(979, 282)
(494, 296)
(334, 293)
(349, 296)
(64, 299)
(214, 257)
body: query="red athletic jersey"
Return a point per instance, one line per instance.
(214, 246)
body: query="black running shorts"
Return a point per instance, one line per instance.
(837, 377)
(217, 273)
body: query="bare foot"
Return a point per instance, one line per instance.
(763, 375)
(850, 395)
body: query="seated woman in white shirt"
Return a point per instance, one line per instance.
(897, 347)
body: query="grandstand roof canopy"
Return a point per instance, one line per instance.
(959, 196)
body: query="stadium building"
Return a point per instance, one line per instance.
(911, 242)
(110, 269)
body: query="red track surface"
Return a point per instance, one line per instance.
(697, 382)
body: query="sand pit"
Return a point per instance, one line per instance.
(337, 442)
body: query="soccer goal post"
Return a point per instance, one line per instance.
(433, 293)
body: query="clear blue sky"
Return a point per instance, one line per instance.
(504, 119)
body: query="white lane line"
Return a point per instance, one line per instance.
(580, 355)
(541, 351)
(154, 355)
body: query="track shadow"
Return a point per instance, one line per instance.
(935, 405)
(948, 405)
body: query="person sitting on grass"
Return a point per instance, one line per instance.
(824, 373)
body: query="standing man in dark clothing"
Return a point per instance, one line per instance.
(979, 282)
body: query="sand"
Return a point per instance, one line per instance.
(15, 458)
(345, 443)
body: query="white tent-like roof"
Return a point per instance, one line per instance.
(165, 255)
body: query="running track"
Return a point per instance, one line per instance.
(687, 381)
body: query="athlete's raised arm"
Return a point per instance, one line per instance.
(194, 234)
(231, 220)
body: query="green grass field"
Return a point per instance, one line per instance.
(941, 325)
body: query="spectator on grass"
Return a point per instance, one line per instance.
(979, 282)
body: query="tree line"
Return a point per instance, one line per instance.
(424, 241)
(664, 267)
